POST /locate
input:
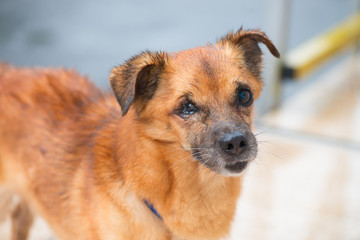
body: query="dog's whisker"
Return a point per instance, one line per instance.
(177, 162)
(265, 131)
(200, 148)
(197, 154)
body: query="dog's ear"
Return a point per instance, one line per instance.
(247, 43)
(136, 80)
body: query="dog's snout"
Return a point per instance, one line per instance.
(233, 143)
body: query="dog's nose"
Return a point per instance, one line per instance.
(233, 143)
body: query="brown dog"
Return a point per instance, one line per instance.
(157, 170)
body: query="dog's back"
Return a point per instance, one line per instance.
(39, 115)
(37, 107)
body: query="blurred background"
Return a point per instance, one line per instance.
(305, 183)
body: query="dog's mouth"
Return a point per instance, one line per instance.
(219, 165)
(236, 167)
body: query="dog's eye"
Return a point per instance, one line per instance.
(188, 108)
(245, 97)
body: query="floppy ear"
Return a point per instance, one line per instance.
(136, 80)
(247, 42)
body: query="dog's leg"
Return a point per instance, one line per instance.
(5, 203)
(15, 207)
(22, 219)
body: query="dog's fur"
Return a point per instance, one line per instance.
(86, 166)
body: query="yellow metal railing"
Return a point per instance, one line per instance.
(312, 54)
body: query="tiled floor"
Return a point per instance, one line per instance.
(305, 183)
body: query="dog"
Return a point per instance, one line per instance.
(168, 164)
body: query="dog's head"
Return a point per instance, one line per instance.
(202, 98)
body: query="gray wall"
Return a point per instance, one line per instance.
(93, 36)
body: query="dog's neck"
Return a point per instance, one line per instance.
(183, 191)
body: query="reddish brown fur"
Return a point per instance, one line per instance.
(67, 151)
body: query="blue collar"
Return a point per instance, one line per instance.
(151, 207)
